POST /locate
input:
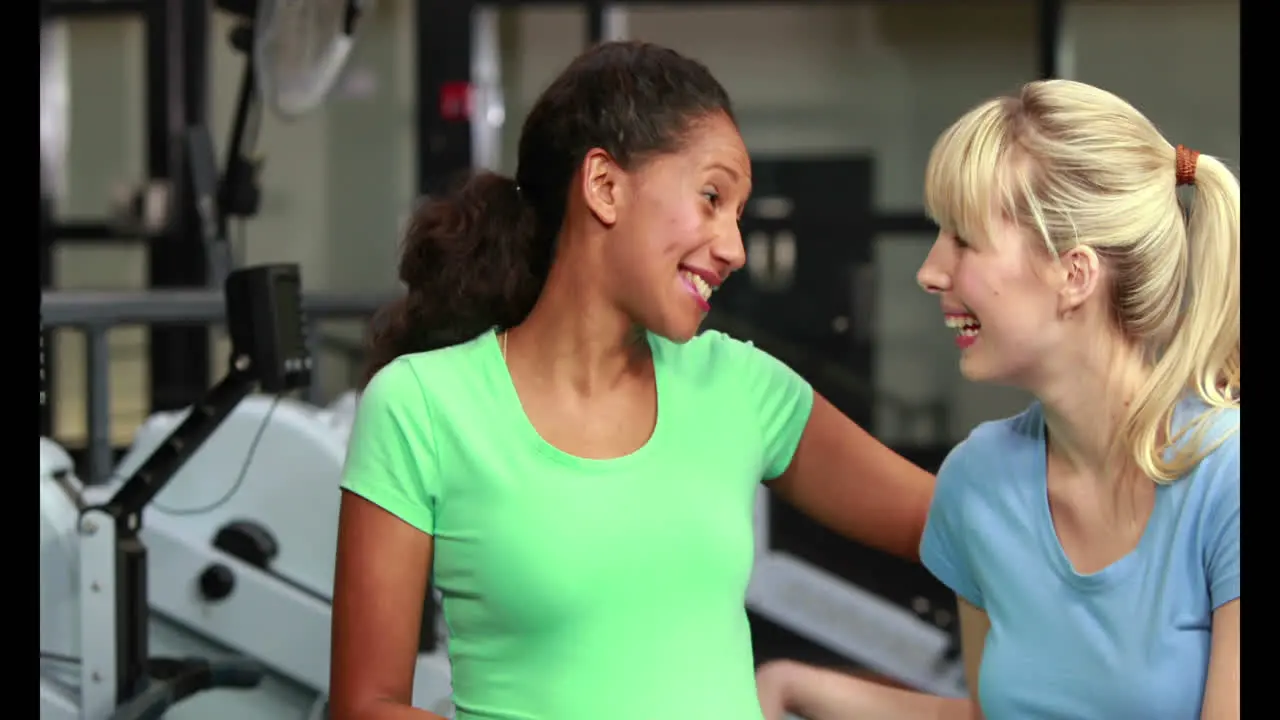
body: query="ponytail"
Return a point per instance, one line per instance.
(1203, 354)
(471, 261)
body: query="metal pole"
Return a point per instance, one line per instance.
(98, 406)
(177, 68)
(444, 34)
(605, 22)
(1050, 37)
(595, 22)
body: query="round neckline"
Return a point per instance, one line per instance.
(523, 426)
(1106, 576)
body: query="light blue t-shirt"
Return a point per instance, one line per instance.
(1128, 642)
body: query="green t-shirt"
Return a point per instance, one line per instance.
(580, 589)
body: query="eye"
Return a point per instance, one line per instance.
(960, 242)
(712, 197)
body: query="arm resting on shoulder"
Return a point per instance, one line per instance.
(379, 587)
(1222, 688)
(818, 694)
(845, 479)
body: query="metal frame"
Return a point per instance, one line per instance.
(263, 609)
(177, 67)
(99, 646)
(96, 313)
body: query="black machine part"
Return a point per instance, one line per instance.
(217, 582)
(264, 318)
(172, 681)
(266, 324)
(247, 541)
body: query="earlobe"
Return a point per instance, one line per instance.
(599, 185)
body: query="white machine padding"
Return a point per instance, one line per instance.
(290, 487)
(59, 553)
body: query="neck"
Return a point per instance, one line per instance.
(575, 337)
(1085, 407)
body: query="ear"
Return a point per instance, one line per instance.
(1082, 277)
(600, 178)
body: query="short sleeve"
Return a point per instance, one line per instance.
(780, 398)
(390, 459)
(1223, 536)
(942, 547)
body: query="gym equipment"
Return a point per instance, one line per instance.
(293, 53)
(299, 48)
(243, 543)
(102, 571)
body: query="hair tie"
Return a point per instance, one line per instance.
(1186, 165)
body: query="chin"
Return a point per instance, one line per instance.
(974, 369)
(990, 371)
(678, 329)
(681, 333)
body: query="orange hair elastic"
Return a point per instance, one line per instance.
(1186, 165)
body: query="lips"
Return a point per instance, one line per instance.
(700, 284)
(966, 326)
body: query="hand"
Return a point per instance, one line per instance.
(773, 687)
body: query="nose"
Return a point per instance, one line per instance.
(728, 251)
(934, 275)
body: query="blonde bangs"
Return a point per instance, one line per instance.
(967, 177)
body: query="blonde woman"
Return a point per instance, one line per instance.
(1094, 539)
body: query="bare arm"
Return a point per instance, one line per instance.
(379, 587)
(819, 694)
(1222, 688)
(844, 478)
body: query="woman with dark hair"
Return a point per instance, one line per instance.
(547, 432)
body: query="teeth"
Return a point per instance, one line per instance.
(699, 284)
(966, 325)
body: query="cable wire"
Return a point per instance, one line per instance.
(244, 471)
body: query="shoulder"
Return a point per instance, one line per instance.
(715, 356)
(406, 382)
(978, 461)
(1215, 480)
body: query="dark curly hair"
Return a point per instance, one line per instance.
(478, 258)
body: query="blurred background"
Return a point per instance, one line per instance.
(839, 103)
(872, 83)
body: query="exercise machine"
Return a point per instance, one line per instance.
(94, 555)
(243, 544)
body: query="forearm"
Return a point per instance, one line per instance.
(820, 694)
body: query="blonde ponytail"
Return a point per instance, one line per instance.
(1203, 354)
